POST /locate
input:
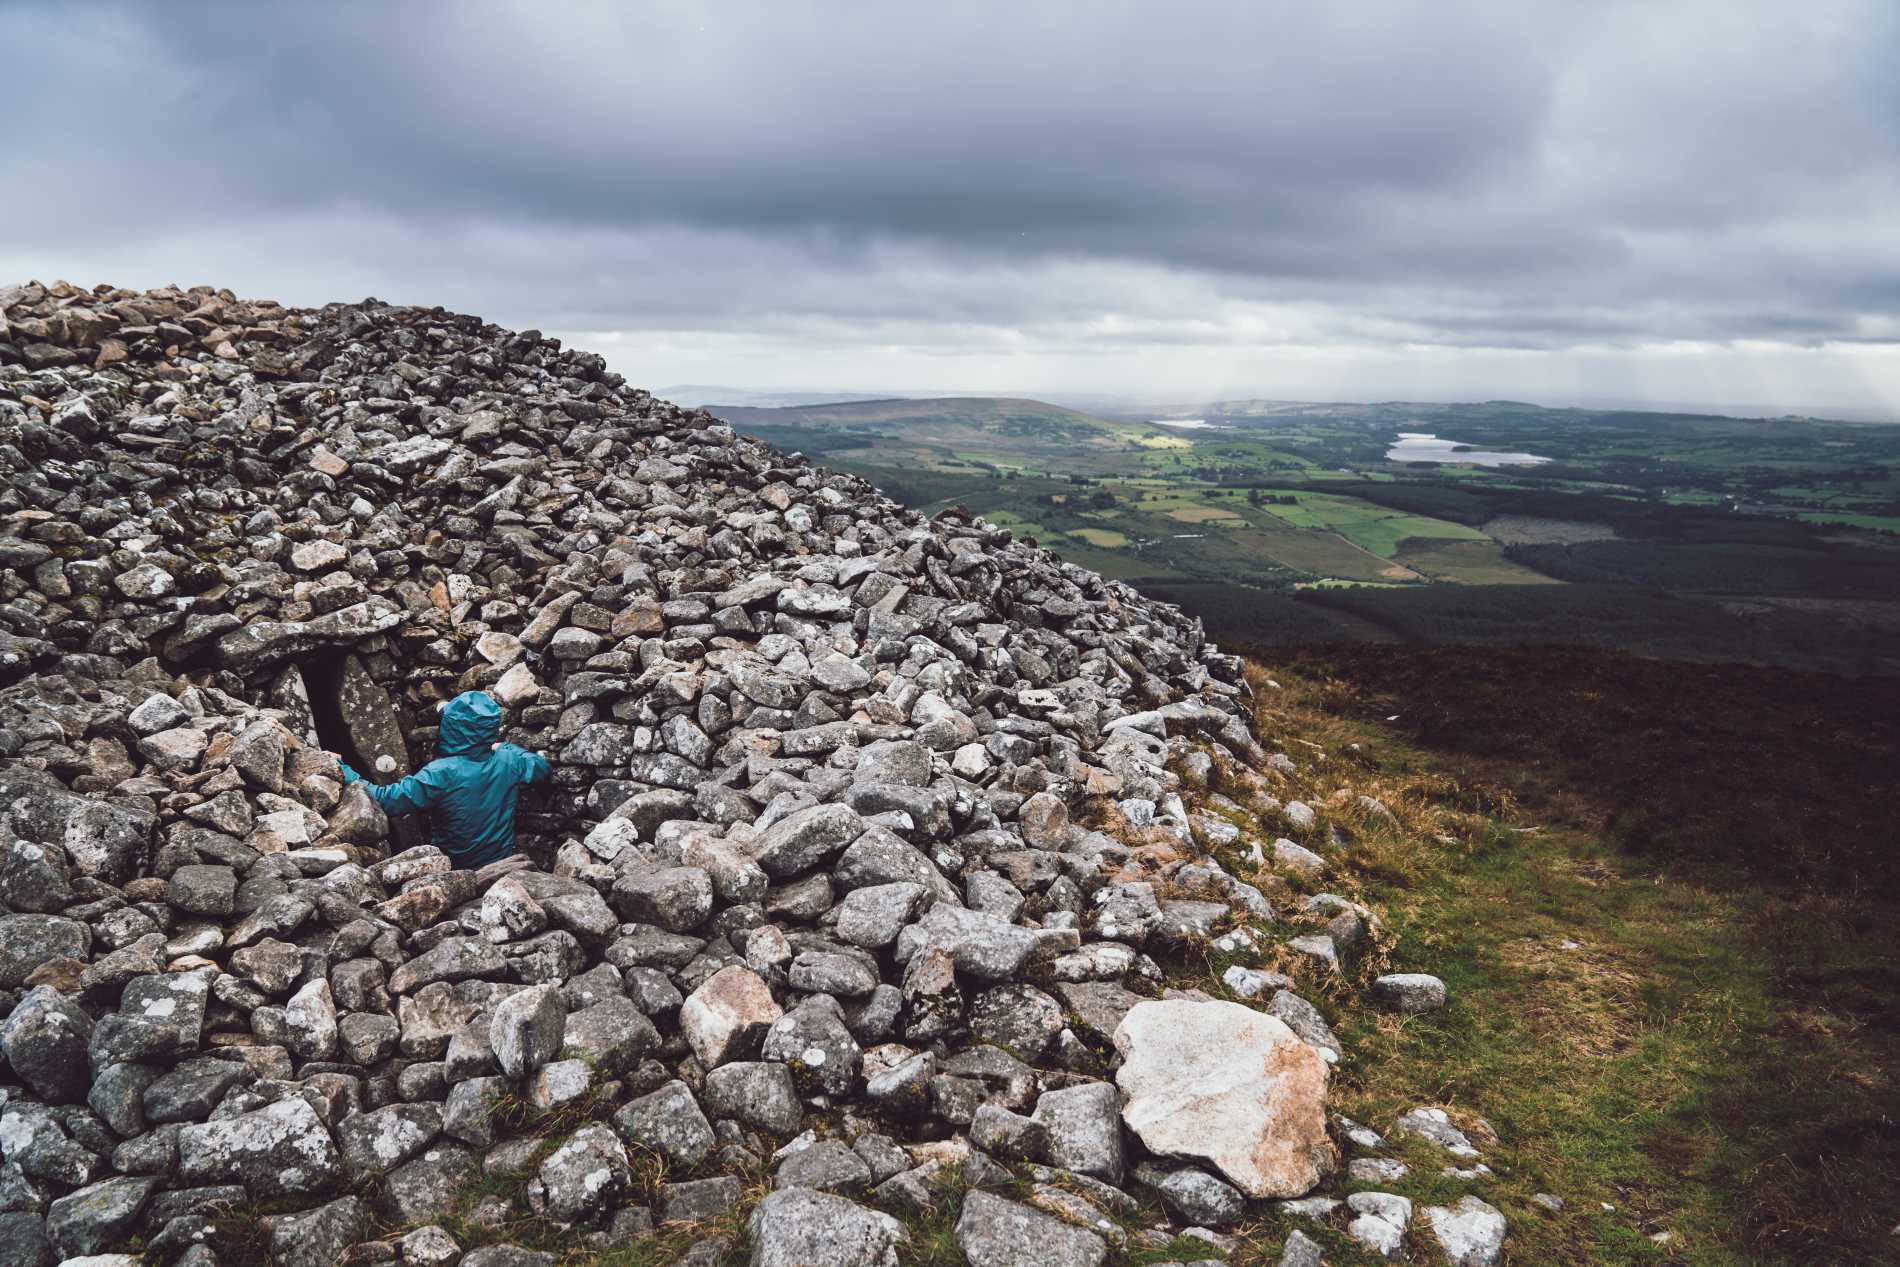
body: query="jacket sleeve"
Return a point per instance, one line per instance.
(407, 795)
(533, 766)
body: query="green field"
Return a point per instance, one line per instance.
(1467, 562)
(1371, 527)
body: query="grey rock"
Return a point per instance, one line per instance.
(95, 1218)
(993, 1232)
(674, 898)
(457, 959)
(610, 1036)
(999, 1132)
(45, 1042)
(844, 976)
(758, 1094)
(365, 1038)
(829, 1165)
(37, 1143)
(27, 941)
(1301, 1250)
(816, 1043)
(587, 1176)
(1409, 992)
(158, 712)
(903, 1089)
(804, 838)
(993, 895)
(375, 1143)
(175, 751)
(1379, 1222)
(1471, 1232)
(1018, 1018)
(428, 1185)
(873, 915)
(527, 1030)
(467, 1113)
(1436, 1125)
(117, 1095)
(203, 890)
(34, 878)
(1083, 1125)
(880, 857)
(24, 1242)
(190, 1091)
(696, 1199)
(981, 945)
(1382, 1170)
(560, 1082)
(1305, 1020)
(667, 1121)
(798, 1227)
(310, 1022)
(319, 1237)
(1196, 1196)
(429, 1246)
(281, 1149)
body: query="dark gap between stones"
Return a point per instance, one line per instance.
(322, 677)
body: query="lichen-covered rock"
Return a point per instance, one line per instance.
(587, 1176)
(1471, 1232)
(96, 1217)
(758, 1094)
(45, 1040)
(798, 1227)
(1379, 1220)
(27, 941)
(993, 1232)
(527, 1030)
(429, 1184)
(374, 1143)
(1082, 1129)
(319, 1237)
(1195, 1195)
(279, 1150)
(669, 1122)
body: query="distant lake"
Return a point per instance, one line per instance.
(1186, 424)
(1421, 446)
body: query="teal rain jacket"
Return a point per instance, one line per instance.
(470, 789)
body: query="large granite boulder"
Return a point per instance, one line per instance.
(1223, 1084)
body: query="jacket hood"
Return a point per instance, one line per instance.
(470, 723)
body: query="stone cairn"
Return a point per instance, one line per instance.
(810, 900)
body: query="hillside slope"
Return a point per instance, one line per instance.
(877, 861)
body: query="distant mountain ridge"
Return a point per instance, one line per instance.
(984, 412)
(696, 395)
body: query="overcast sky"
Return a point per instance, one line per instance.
(1664, 199)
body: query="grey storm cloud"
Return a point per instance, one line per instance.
(1505, 175)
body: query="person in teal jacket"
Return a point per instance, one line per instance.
(470, 789)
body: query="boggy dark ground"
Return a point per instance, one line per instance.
(1779, 788)
(1734, 770)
